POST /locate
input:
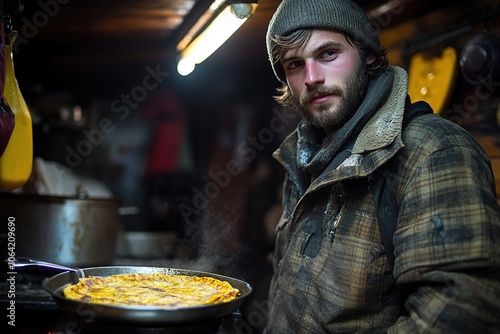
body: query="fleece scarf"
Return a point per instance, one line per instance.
(316, 149)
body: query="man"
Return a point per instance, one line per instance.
(332, 269)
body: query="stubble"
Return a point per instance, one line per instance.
(327, 115)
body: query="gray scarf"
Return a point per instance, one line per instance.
(315, 150)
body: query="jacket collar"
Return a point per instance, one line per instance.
(385, 125)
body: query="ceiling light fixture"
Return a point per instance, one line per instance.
(212, 29)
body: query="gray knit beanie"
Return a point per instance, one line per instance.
(340, 15)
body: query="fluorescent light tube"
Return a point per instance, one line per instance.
(217, 32)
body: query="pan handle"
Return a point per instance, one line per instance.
(22, 262)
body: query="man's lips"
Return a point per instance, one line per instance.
(320, 98)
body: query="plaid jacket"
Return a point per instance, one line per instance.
(331, 271)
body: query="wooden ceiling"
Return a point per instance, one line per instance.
(111, 41)
(105, 39)
(96, 31)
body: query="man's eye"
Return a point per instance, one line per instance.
(330, 54)
(294, 64)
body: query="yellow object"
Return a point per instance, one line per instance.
(432, 79)
(17, 160)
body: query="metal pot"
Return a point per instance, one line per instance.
(72, 231)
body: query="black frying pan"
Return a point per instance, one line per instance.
(143, 314)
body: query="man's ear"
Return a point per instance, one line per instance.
(370, 59)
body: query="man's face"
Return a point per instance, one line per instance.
(327, 78)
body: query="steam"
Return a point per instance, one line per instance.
(217, 238)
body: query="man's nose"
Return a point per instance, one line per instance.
(313, 74)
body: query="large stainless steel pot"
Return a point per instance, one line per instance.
(72, 231)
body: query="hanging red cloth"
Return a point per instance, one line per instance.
(169, 140)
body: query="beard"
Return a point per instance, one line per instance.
(326, 115)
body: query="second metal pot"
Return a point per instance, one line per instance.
(71, 231)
